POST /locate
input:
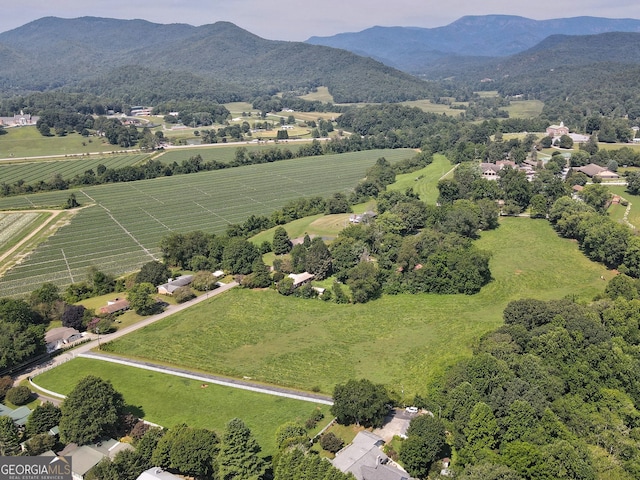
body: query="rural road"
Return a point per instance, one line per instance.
(207, 378)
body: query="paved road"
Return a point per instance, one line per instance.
(206, 378)
(85, 347)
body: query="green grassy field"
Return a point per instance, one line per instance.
(617, 211)
(430, 107)
(524, 108)
(425, 181)
(321, 95)
(403, 341)
(220, 152)
(33, 170)
(27, 142)
(169, 400)
(123, 223)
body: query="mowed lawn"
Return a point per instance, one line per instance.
(28, 142)
(169, 400)
(403, 341)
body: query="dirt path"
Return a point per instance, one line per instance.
(54, 214)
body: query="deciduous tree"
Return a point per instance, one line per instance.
(361, 402)
(90, 412)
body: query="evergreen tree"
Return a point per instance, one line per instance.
(281, 242)
(43, 418)
(239, 454)
(9, 443)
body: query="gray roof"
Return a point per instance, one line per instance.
(156, 473)
(383, 472)
(175, 284)
(364, 451)
(20, 415)
(84, 459)
(60, 333)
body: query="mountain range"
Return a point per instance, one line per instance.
(220, 61)
(143, 62)
(416, 50)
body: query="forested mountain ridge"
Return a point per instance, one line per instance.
(82, 53)
(412, 49)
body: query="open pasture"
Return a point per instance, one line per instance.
(404, 341)
(122, 224)
(321, 95)
(33, 171)
(169, 400)
(20, 142)
(424, 182)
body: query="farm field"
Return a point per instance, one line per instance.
(122, 224)
(219, 152)
(20, 142)
(16, 226)
(403, 341)
(33, 171)
(169, 400)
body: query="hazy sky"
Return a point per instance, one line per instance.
(301, 19)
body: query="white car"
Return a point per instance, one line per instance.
(411, 409)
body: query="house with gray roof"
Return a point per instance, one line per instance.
(173, 284)
(19, 415)
(365, 459)
(86, 457)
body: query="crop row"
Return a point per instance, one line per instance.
(220, 152)
(33, 172)
(12, 224)
(123, 228)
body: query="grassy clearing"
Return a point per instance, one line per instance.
(617, 211)
(524, 108)
(403, 341)
(27, 142)
(321, 95)
(428, 106)
(425, 181)
(124, 222)
(169, 400)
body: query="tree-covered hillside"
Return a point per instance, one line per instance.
(219, 61)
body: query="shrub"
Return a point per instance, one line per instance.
(183, 294)
(19, 395)
(139, 430)
(331, 443)
(6, 383)
(313, 420)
